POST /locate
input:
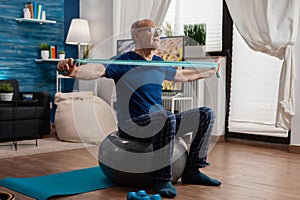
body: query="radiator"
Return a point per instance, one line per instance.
(194, 90)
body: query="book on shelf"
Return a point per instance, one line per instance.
(40, 9)
(52, 52)
(35, 9)
(56, 51)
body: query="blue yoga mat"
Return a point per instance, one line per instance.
(65, 183)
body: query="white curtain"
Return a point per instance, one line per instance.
(125, 12)
(254, 90)
(270, 26)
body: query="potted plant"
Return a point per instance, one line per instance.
(61, 54)
(195, 40)
(44, 47)
(6, 91)
(168, 30)
(87, 51)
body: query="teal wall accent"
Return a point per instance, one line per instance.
(20, 45)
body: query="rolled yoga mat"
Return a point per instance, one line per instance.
(60, 184)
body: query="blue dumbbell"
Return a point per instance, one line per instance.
(134, 196)
(138, 198)
(155, 197)
(130, 195)
(142, 195)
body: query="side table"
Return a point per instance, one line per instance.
(15, 104)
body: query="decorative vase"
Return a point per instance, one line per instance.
(44, 54)
(44, 15)
(26, 13)
(6, 96)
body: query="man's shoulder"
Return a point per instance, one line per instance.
(156, 58)
(124, 56)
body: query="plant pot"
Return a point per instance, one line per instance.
(61, 56)
(44, 54)
(195, 51)
(6, 96)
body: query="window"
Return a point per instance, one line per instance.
(198, 11)
(254, 91)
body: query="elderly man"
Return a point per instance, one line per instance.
(139, 106)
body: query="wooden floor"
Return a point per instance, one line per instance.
(246, 172)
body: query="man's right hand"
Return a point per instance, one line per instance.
(66, 67)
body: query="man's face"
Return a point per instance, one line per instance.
(148, 37)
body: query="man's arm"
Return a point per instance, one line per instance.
(187, 75)
(88, 71)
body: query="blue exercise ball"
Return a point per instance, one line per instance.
(119, 168)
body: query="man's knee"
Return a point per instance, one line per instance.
(208, 112)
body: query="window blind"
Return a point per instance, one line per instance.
(254, 90)
(198, 11)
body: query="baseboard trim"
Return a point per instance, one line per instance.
(213, 139)
(294, 149)
(284, 147)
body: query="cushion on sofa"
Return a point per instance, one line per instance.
(82, 117)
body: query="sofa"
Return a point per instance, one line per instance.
(21, 125)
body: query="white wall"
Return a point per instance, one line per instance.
(100, 17)
(295, 137)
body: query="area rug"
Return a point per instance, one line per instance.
(60, 184)
(45, 145)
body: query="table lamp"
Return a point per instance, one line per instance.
(79, 33)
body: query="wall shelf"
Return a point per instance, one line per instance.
(35, 21)
(48, 60)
